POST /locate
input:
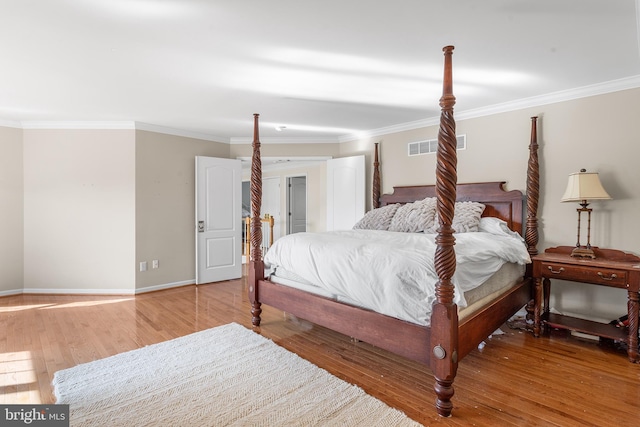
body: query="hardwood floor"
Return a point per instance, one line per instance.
(514, 380)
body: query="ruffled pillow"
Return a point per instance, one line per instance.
(466, 218)
(377, 219)
(415, 217)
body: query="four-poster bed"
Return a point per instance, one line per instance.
(446, 337)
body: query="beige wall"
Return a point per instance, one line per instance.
(165, 206)
(81, 189)
(11, 211)
(96, 203)
(598, 133)
(79, 205)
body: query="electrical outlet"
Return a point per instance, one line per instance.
(143, 266)
(155, 264)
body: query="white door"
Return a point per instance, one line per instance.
(218, 219)
(297, 204)
(345, 192)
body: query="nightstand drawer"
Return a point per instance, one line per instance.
(588, 274)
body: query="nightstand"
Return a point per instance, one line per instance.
(612, 268)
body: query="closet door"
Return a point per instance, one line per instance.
(345, 192)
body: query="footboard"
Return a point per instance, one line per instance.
(400, 337)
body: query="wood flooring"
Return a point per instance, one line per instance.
(515, 379)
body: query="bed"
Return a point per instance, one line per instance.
(442, 338)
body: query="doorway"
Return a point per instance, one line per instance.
(296, 204)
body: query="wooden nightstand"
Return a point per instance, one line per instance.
(611, 268)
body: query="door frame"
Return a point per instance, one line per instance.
(288, 199)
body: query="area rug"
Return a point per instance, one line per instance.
(225, 376)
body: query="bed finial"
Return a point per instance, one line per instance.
(376, 177)
(444, 317)
(256, 265)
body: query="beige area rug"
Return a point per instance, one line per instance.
(225, 376)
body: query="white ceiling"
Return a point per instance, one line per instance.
(324, 69)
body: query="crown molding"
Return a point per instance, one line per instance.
(631, 82)
(93, 125)
(178, 132)
(283, 163)
(286, 140)
(115, 125)
(10, 124)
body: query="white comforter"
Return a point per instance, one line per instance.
(391, 272)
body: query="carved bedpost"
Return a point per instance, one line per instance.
(256, 265)
(444, 317)
(531, 231)
(376, 178)
(533, 191)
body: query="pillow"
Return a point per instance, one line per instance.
(415, 217)
(466, 218)
(377, 219)
(496, 226)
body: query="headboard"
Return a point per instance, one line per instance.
(506, 205)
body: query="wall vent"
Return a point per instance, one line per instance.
(431, 146)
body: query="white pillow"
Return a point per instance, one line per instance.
(415, 217)
(377, 219)
(496, 226)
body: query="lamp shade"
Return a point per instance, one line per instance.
(584, 185)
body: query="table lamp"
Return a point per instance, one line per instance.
(584, 187)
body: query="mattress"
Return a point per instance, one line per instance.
(509, 275)
(391, 273)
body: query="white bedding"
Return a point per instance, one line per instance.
(392, 272)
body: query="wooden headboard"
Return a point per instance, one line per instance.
(506, 205)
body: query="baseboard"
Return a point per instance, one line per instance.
(11, 292)
(97, 291)
(165, 286)
(50, 291)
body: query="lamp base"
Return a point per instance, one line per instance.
(583, 252)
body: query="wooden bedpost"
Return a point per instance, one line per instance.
(444, 317)
(533, 191)
(256, 265)
(376, 177)
(531, 231)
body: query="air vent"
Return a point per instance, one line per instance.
(431, 146)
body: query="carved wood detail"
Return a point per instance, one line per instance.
(376, 178)
(444, 318)
(256, 272)
(531, 230)
(533, 191)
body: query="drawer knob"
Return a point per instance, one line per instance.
(603, 277)
(556, 271)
